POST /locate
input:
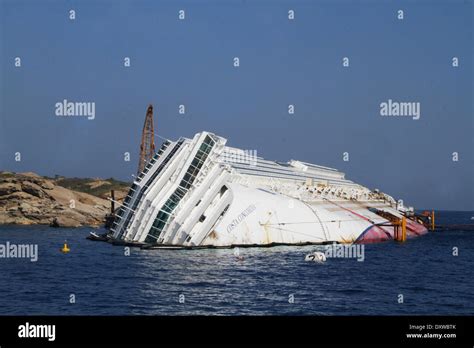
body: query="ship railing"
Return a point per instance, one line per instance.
(182, 191)
(153, 160)
(139, 199)
(263, 170)
(135, 203)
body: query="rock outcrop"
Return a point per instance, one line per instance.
(29, 199)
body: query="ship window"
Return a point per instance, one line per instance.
(187, 181)
(223, 190)
(225, 210)
(129, 214)
(202, 218)
(272, 193)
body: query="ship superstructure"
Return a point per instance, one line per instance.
(200, 192)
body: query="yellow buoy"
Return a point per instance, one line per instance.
(65, 249)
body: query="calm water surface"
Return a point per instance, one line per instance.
(213, 282)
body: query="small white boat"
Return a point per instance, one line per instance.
(96, 237)
(316, 256)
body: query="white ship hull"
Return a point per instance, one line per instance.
(200, 192)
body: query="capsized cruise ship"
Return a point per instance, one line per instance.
(201, 193)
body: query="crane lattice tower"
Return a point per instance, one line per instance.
(147, 146)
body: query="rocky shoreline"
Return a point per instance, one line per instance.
(30, 199)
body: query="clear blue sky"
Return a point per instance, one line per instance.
(282, 62)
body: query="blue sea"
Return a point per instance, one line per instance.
(267, 281)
